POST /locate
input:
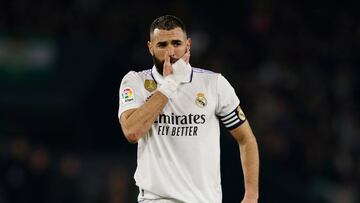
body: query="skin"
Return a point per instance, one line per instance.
(174, 42)
(249, 156)
(167, 46)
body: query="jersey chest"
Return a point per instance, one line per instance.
(197, 97)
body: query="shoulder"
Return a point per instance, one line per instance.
(143, 74)
(213, 77)
(204, 73)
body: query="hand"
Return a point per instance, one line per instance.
(249, 200)
(169, 85)
(186, 56)
(181, 68)
(178, 71)
(167, 69)
(174, 73)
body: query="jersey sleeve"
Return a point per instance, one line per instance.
(228, 109)
(130, 93)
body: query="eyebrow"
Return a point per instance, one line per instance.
(176, 41)
(172, 42)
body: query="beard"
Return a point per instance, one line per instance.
(160, 64)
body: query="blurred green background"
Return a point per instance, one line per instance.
(294, 65)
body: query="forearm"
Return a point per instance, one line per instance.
(249, 155)
(250, 164)
(136, 124)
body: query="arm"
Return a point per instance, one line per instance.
(249, 160)
(136, 122)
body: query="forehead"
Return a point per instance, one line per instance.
(167, 35)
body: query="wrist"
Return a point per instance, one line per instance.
(168, 87)
(251, 195)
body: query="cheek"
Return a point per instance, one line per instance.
(180, 52)
(159, 54)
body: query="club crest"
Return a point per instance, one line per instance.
(200, 100)
(240, 113)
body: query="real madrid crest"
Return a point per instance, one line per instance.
(200, 100)
(150, 85)
(240, 113)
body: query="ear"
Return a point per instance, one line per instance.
(188, 43)
(150, 46)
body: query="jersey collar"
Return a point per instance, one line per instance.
(159, 78)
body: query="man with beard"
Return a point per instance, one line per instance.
(172, 112)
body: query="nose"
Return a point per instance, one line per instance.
(170, 50)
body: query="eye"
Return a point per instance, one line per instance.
(176, 44)
(161, 45)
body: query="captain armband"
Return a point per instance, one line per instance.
(234, 119)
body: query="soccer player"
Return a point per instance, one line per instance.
(173, 111)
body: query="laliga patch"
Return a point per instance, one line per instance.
(150, 85)
(240, 113)
(200, 100)
(127, 95)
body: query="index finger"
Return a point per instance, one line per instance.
(167, 70)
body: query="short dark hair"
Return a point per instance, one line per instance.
(167, 22)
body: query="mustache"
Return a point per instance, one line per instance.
(173, 60)
(159, 64)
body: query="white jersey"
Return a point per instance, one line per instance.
(179, 158)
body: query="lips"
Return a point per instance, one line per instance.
(173, 60)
